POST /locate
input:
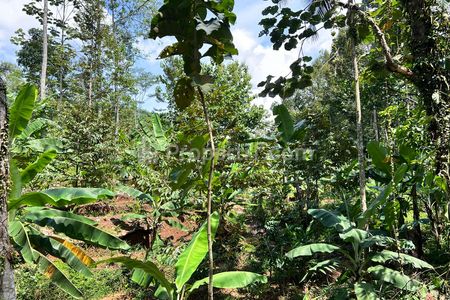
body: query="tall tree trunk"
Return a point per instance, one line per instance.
(209, 196)
(359, 128)
(116, 70)
(7, 288)
(62, 43)
(44, 50)
(433, 84)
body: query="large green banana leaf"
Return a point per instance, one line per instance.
(34, 126)
(21, 110)
(61, 197)
(231, 280)
(20, 236)
(308, 250)
(38, 166)
(396, 278)
(76, 229)
(193, 255)
(55, 248)
(36, 213)
(386, 255)
(329, 219)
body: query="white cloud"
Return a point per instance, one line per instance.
(263, 60)
(12, 17)
(152, 48)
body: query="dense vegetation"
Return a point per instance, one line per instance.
(341, 191)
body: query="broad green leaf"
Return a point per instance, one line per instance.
(31, 199)
(161, 142)
(365, 291)
(379, 201)
(308, 250)
(148, 267)
(33, 127)
(20, 236)
(16, 182)
(57, 249)
(44, 144)
(68, 196)
(36, 213)
(396, 278)
(47, 268)
(78, 230)
(231, 280)
(38, 166)
(402, 258)
(184, 93)
(380, 156)
(77, 251)
(400, 173)
(21, 110)
(195, 252)
(354, 235)
(284, 122)
(329, 219)
(408, 153)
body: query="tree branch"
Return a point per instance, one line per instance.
(391, 64)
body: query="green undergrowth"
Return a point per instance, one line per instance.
(32, 285)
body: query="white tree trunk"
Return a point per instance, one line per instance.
(44, 50)
(7, 288)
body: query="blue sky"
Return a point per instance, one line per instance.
(255, 52)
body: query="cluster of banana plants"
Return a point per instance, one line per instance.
(40, 224)
(187, 264)
(364, 260)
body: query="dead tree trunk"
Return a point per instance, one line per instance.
(7, 288)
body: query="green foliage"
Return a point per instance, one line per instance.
(188, 263)
(195, 252)
(231, 280)
(22, 109)
(358, 260)
(33, 242)
(32, 285)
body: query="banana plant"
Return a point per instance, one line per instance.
(364, 265)
(32, 213)
(186, 265)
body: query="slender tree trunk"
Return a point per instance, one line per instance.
(44, 51)
(359, 128)
(417, 233)
(62, 43)
(375, 125)
(209, 196)
(7, 288)
(116, 70)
